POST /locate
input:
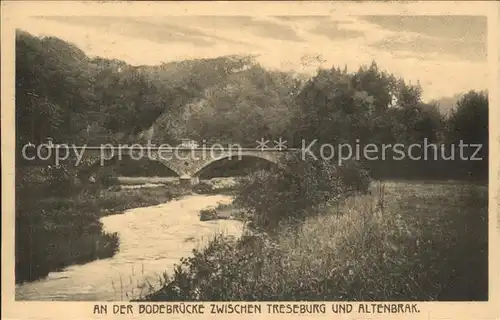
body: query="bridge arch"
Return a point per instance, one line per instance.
(126, 166)
(145, 167)
(261, 157)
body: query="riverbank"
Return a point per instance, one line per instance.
(152, 240)
(118, 200)
(404, 241)
(55, 232)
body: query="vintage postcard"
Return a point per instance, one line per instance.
(250, 159)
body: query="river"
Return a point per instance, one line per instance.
(152, 240)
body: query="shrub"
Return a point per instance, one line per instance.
(203, 187)
(287, 193)
(107, 177)
(208, 214)
(46, 181)
(353, 176)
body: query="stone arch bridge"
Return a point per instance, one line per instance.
(186, 163)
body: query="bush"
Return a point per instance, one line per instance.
(107, 177)
(287, 193)
(354, 176)
(208, 214)
(203, 188)
(46, 181)
(216, 186)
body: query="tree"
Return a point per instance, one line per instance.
(468, 123)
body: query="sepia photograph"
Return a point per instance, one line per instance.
(305, 157)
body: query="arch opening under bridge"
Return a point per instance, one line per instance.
(227, 167)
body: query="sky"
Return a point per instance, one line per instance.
(446, 54)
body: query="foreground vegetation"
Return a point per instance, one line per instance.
(402, 241)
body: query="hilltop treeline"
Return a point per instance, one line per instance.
(64, 94)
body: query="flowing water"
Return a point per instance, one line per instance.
(152, 240)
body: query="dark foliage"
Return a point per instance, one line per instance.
(288, 193)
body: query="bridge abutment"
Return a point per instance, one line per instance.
(187, 181)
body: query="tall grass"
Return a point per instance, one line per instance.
(403, 241)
